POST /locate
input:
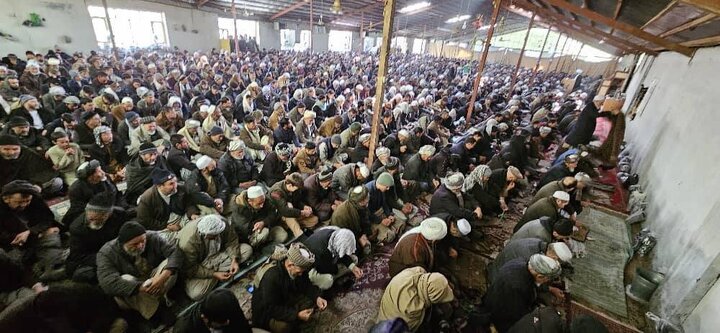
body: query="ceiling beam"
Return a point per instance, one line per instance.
(632, 30)
(660, 14)
(688, 25)
(712, 6)
(582, 28)
(201, 2)
(707, 41)
(618, 7)
(290, 8)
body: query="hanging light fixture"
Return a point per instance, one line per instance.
(336, 7)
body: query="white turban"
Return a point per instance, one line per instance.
(342, 243)
(433, 228)
(544, 265)
(427, 150)
(211, 225)
(236, 145)
(562, 251)
(203, 162)
(562, 195)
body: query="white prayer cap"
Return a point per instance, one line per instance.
(562, 251)
(364, 171)
(562, 195)
(433, 228)
(211, 225)
(203, 162)
(255, 192)
(464, 226)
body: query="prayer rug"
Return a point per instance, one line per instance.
(599, 276)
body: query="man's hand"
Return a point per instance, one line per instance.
(49, 231)
(21, 238)
(503, 206)
(258, 226)
(403, 182)
(267, 148)
(357, 272)
(478, 213)
(559, 294)
(70, 151)
(452, 253)
(407, 208)
(248, 184)
(304, 315)
(388, 221)
(510, 186)
(158, 282)
(364, 240)
(436, 183)
(173, 227)
(219, 205)
(321, 303)
(234, 267)
(403, 149)
(222, 276)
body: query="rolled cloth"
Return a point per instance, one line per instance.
(236, 145)
(544, 265)
(211, 225)
(433, 228)
(515, 172)
(427, 150)
(364, 170)
(301, 256)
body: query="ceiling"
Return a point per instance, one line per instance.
(615, 26)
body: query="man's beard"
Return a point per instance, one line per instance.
(92, 226)
(11, 157)
(134, 252)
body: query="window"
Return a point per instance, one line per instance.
(132, 28)
(245, 29)
(289, 40)
(418, 46)
(340, 41)
(400, 43)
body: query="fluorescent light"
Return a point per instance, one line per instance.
(484, 27)
(414, 7)
(458, 18)
(347, 24)
(463, 45)
(444, 29)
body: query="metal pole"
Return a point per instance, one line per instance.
(388, 17)
(552, 57)
(311, 25)
(522, 53)
(234, 14)
(577, 56)
(362, 32)
(483, 59)
(110, 29)
(537, 64)
(562, 54)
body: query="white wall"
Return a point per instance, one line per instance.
(62, 18)
(705, 316)
(71, 18)
(675, 143)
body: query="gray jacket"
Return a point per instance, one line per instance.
(112, 262)
(344, 179)
(534, 229)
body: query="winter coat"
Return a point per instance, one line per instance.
(196, 182)
(418, 170)
(36, 217)
(273, 169)
(28, 166)
(80, 194)
(113, 262)
(511, 295)
(344, 179)
(153, 212)
(445, 201)
(325, 262)
(194, 249)
(270, 299)
(411, 251)
(237, 171)
(520, 248)
(138, 176)
(350, 215)
(85, 242)
(245, 216)
(540, 229)
(544, 207)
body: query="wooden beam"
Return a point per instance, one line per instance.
(660, 14)
(618, 7)
(712, 6)
(522, 53)
(587, 30)
(290, 8)
(632, 30)
(483, 59)
(201, 2)
(537, 64)
(689, 25)
(707, 41)
(388, 18)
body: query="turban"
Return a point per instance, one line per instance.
(255, 192)
(562, 195)
(455, 181)
(464, 226)
(211, 225)
(562, 251)
(433, 228)
(301, 256)
(203, 162)
(544, 265)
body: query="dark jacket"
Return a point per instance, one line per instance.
(380, 200)
(281, 197)
(85, 242)
(36, 217)
(270, 300)
(179, 159)
(196, 182)
(28, 166)
(581, 133)
(511, 295)
(153, 212)
(191, 322)
(81, 192)
(325, 262)
(320, 199)
(237, 171)
(544, 207)
(273, 169)
(138, 176)
(520, 248)
(113, 261)
(85, 136)
(445, 201)
(45, 115)
(110, 157)
(418, 170)
(244, 216)
(557, 172)
(350, 215)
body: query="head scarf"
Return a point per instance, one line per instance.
(98, 131)
(476, 177)
(342, 243)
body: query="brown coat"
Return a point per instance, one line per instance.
(412, 250)
(214, 150)
(327, 129)
(307, 164)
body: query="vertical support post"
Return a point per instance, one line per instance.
(522, 53)
(577, 56)
(362, 32)
(537, 64)
(483, 59)
(562, 54)
(235, 32)
(110, 30)
(388, 18)
(552, 57)
(311, 25)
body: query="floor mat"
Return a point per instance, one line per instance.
(615, 200)
(598, 277)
